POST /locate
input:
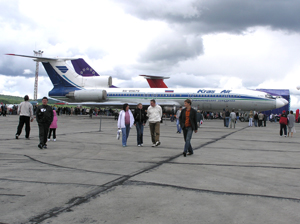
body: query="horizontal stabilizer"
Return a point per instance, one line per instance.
(156, 81)
(37, 58)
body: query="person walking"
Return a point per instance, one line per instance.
(125, 122)
(25, 110)
(291, 123)
(232, 119)
(250, 118)
(188, 123)
(140, 119)
(283, 123)
(44, 117)
(154, 113)
(53, 127)
(177, 120)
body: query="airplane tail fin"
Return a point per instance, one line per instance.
(156, 81)
(83, 68)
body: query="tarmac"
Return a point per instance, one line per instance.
(242, 175)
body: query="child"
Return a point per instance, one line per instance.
(53, 127)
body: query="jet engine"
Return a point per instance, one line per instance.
(97, 81)
(95, 95)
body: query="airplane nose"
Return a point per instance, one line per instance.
(281, 102)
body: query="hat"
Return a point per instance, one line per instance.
(283, 111)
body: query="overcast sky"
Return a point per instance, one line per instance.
(200, 44)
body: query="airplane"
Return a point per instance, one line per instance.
(83, 85)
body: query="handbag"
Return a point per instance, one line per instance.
(118, 134)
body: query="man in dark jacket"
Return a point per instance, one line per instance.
(44, 117)
(140, 118)
(188, 123)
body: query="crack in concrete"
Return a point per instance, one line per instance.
(229, 165)
(114, 183)
(71, 168)
(210, 191)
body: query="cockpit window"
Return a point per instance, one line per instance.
(270, 96)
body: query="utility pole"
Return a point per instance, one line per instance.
(36, 53)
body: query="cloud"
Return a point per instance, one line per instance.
(206, 43)
(171, 48)
(214, 16)
(21, 86)
(27, 72)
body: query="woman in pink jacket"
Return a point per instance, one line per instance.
(53, 127)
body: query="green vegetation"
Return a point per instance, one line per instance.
(6, 99)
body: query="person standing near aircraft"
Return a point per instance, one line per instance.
(260, 119)
(250, 118)
(140, 118)
(291, 123)
(255, 119)
(125, 122)
(232, 119)
(188, 123)
(177, 119)
(283, 123)
(44, 117)
(25, 110)
(53, 127)
(227, 117)
(154, 114)
(4, 110)
(199, 118)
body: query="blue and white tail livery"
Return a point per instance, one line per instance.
(83, 85)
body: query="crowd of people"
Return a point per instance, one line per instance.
(188, 120)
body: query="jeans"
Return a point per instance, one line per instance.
(250, 121)
(283, 126)
(187, 134)
(255, 122)
(178, 126)
(139, 131)
(226, 121)
(125, 134)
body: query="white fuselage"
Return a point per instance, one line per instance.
(203, 99)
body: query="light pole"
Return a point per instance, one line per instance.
(36, 53)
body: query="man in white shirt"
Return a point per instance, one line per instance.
(154, 114)
(25, 110)
(232, 119)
